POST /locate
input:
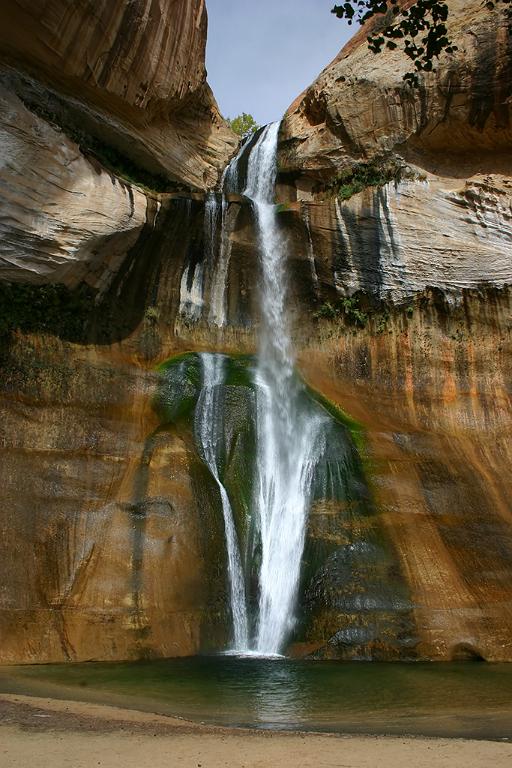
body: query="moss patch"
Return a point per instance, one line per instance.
(356, 429)
(180, 386)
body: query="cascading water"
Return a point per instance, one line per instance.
(211, 215)
(291, 434)
(288, 440)
(192, 285)
(311, 250)
(191, 292)
(217, 314)
(208, 428)
(229, 182)
(289, 478)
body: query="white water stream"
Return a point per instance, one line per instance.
(229, 182)
(290, 439)
(209, 435)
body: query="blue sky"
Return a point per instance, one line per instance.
(261, 54)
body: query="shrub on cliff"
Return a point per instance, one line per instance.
(243, 125)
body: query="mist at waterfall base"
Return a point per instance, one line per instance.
(447, 700)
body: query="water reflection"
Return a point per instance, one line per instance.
(446, 699)
(278, 696)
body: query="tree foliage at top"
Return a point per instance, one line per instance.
(244, 125)
(420, 29)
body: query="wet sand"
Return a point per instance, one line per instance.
(47, 733)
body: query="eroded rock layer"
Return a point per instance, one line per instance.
(112, 540)
(131, 73)
(104, 107)
(63, 218)
(394, 241)
(359, 108)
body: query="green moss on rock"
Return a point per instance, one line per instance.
(179, 389)
(353, 597)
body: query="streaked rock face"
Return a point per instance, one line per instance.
(449, 225)
(107, 535)
(112, 543)
(432, 391)
(63, 219)
(359, 107)
(395, 241)
(138, 52)
(131, 72)
(127, 77)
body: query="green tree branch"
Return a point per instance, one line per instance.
(421, 29)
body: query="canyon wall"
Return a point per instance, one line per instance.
(443, 220)
(360, 109)
(112, 535)
(130, 73)
(104, 107)
(424, 262)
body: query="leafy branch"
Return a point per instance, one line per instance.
(421, 29)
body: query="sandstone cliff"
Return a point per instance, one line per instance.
(429, 382)
(447, 223)
(104, 106)
(359, 108)
(64, 219)
(112, 534)
(132, 73)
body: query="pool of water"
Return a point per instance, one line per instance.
(471, 700)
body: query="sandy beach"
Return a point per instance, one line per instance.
(44, 733)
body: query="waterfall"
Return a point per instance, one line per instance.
(311, 250)
(191, 292)
(290, 434)
(289, 440)
(211, 215)
(209, 435)
(192, 285)
(219, 280)
(217, 314)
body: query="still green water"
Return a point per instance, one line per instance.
(471, 700)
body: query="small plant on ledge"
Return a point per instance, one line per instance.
(347, 307)
(376, 173)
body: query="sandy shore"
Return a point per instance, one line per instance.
(46, 733)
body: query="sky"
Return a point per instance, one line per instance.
(261, 54)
